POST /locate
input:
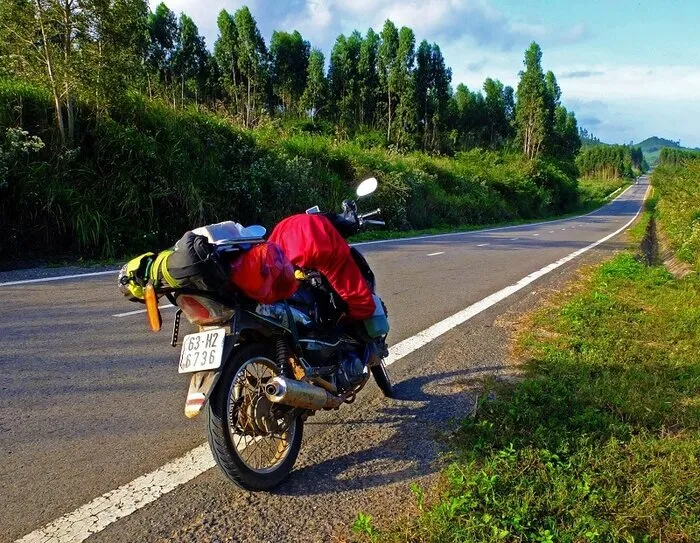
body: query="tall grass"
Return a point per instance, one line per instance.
(677, 185)
(599, 442)
(139, 178)
(600, 439)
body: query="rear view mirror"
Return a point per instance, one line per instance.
(367, 187)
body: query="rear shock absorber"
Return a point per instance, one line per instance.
(282, 355)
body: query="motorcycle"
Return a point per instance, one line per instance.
(260, 370)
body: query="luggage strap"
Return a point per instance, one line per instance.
(160, 268)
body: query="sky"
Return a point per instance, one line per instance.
(630, 69)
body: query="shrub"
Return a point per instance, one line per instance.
(144, 174)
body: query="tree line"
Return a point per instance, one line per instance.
(677, 157)
(611, 161)
(95, 52)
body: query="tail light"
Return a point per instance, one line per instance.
(203, 311)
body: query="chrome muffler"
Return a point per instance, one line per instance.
(300, 394)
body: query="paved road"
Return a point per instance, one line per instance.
(91, 400)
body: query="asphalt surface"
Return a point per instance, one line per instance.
(91, 401)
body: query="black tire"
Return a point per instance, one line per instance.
(382, 378)
(220, 441)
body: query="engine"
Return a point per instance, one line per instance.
(352, 372)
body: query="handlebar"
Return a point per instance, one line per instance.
(350, 222)
(370, 214)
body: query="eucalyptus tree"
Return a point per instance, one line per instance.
(191, 59)
(289, 54)
(369, 77)
(226, 58)
(113, 46)
(253, 63)
(163, 39)
(315, 95)
(497, 126)
(386, 64)
(441, 79)
(405, 86)
(88, 50)
(424, 84)
(345, 80)
(532, 97)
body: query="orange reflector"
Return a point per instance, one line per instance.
(154, 318)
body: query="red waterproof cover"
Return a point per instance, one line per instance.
(311, 241)
(264, 274)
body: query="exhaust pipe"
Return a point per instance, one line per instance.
(300, 394)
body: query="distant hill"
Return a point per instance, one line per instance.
(651, 147)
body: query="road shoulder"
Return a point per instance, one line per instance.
(396, 444)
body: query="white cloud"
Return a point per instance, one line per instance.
(621, 102)
(618, 83)
(321, 21)
(431, 19)
(630, 103)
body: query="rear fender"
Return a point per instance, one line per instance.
(203, 383)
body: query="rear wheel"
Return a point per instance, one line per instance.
(254, 442)
(382, 378)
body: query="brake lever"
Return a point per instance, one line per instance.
(376, 223)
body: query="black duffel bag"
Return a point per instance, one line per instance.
(194, 263)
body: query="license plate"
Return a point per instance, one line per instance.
(202, 351)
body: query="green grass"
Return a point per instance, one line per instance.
(678, 210)
(599, 441)
(375, 235)
(594, 191)
(146, 173)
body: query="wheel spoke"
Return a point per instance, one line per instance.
(260, 453)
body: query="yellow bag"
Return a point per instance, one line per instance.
(135, 274)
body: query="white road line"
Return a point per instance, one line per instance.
(551, 231)
(613, 193)
(58, 278)
(482, 244)
(435, 254)
(359, 244)
(116, 504)
(407, 346)
(128, 313)
(111, 506)
(535, 234)
(496, 229)
(513, 239)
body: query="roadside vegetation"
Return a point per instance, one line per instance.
(652, 148)
(598, 440)
(120, 129)
(595, 191)
(677, 184)
(610, 162)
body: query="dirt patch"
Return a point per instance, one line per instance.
(656, 248)
(676, 267)
(520, 320)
